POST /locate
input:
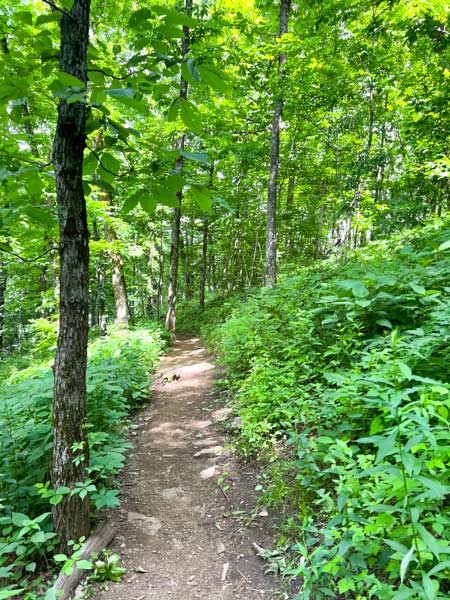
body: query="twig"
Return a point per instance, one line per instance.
(59, 9)
(107, 170)
(114, 76)
(28, 260)
(223, 492)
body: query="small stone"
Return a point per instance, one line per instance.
(225, 568)
(149, 525)
(220, 547)
(208, 473)
(212, 452)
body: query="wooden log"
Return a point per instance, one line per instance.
(66, 584)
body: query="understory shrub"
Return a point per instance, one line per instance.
(117, 381)
(341, 376)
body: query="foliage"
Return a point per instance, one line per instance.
(341, 376)
(118, 382)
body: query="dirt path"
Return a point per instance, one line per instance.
(179, 536)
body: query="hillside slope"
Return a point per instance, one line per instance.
(341, 376)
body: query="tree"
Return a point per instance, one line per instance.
(176, 218)
(70, 444)
(271, 230)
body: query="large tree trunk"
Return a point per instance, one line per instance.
(271, 230)
(71, 515)
(176, 219)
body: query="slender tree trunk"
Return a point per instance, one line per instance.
(71, 515)
(118, 279)
(176, 219)
(271, 230)
(98, 312)
(204, 263)
(3, 280)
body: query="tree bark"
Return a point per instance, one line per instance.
(271, 228)
(204, 263)
(171, 321)
(70, 444)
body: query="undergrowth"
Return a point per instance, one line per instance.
(117, 382)
(341, 376)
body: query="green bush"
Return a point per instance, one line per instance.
(341, 375)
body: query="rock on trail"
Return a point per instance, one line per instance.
(180, 535)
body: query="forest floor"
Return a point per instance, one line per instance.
(185, 527)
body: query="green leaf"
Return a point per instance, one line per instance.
(89, 164)
(174, 17)
(190, 116)
(38, 537)
(60, 558)
(173, 109)
(84, 564)
(430, 587)
(174, 183)
(197, 156)
(384, 323)
(69, 81)
(19, 519)
(202, 196)
(4, 594)
(404, 370)
(130, 102)
(432, 543)
(139, 17)
(419, 289)
(49, 17)
(122, 92)
(34, 185)
(170, 31)
(110, 163)
(405, 563)
(131, 202)
(434, 490)
(444, 246)
(148, 203)
(190, 72)
(211, 76)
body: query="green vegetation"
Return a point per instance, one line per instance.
(341, 375)
(117, 382)
(193, 153)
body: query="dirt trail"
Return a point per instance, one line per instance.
(174, 522)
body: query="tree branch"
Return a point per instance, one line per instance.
(118, 175)
(114, 76)
(59, 9)
(28, 260)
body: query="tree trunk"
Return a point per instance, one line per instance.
(3, 280)
(271, 230)
(98, 311)
(204, 263)
(171, 322)
(71, 515)
(118, 279)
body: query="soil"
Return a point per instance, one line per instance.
(183, 530)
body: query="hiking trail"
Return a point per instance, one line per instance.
(180, 529)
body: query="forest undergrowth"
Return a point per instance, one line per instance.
(117, 382)
(341, 376)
